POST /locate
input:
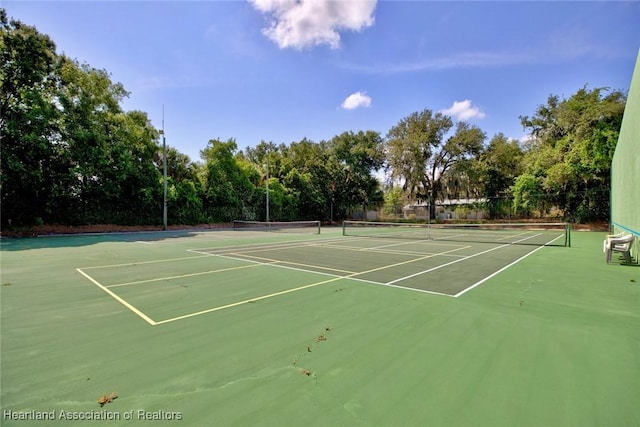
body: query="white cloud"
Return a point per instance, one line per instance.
(356, 100)
(463, 110)
(302, 24)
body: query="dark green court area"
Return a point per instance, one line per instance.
(267, 329)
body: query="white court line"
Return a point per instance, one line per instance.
(224, 249)
(263, 259)
(334, 279)
(302, 270)
(478, 283)
(411, 242)
(201, 255)
(466, 258)
(516, 235)
(536, 235)
(253, 264)
(120, 300)
(387, 251)
(349, 276)
(445, 265)
(409, 288)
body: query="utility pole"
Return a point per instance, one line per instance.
(164, 173)
(267, 185)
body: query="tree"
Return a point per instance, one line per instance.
(528, 195)
(418, 154)
(111, 152)
(498, 166)
(361, 154)
(185, 188)
(131, 168)
(305, 169)
(454, 163)
(573, 144)
(393, 201)
(306, 201)
(410, 146)
(69, 152)
(228, 189)
(29, 123)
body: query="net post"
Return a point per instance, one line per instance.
(344, 231)
(568, 238)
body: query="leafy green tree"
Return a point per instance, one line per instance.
(306, 198)
(323, 180)
(185, 189)
(266, 160)
(418, 153)
(132, 149)
(179, 165)
(528, 195)
(112, 152)
(502, 164)
(31, 153)
(571, 151)
(69, 152)
(410, 146)
(393, 201)
(228, 189)
(498, 166)
(302, 168)
(361, 154)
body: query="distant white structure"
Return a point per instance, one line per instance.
(448, 209)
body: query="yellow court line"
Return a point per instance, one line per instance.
(430, 242)
(242, 254)
(119, 299)
(222, 307)
(382, 251)
(351, 275)
(262, 246)
(186, 316)
(146, 262)
(385, 251)
(511, 236)
(233, 250)
(266, 248)
(186, 275)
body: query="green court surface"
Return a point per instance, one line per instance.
(245, 328)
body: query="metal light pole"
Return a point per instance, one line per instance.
(164, 173)
(267, 185)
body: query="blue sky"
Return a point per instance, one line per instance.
(282, 70)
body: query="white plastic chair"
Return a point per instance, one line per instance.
(621, 243)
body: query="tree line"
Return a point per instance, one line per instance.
(71, 155)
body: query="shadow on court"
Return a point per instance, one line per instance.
(88, 239)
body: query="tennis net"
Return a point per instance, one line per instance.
(539, 234)
(310, 227)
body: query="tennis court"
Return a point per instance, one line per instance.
(250, 328)
(209, 279)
